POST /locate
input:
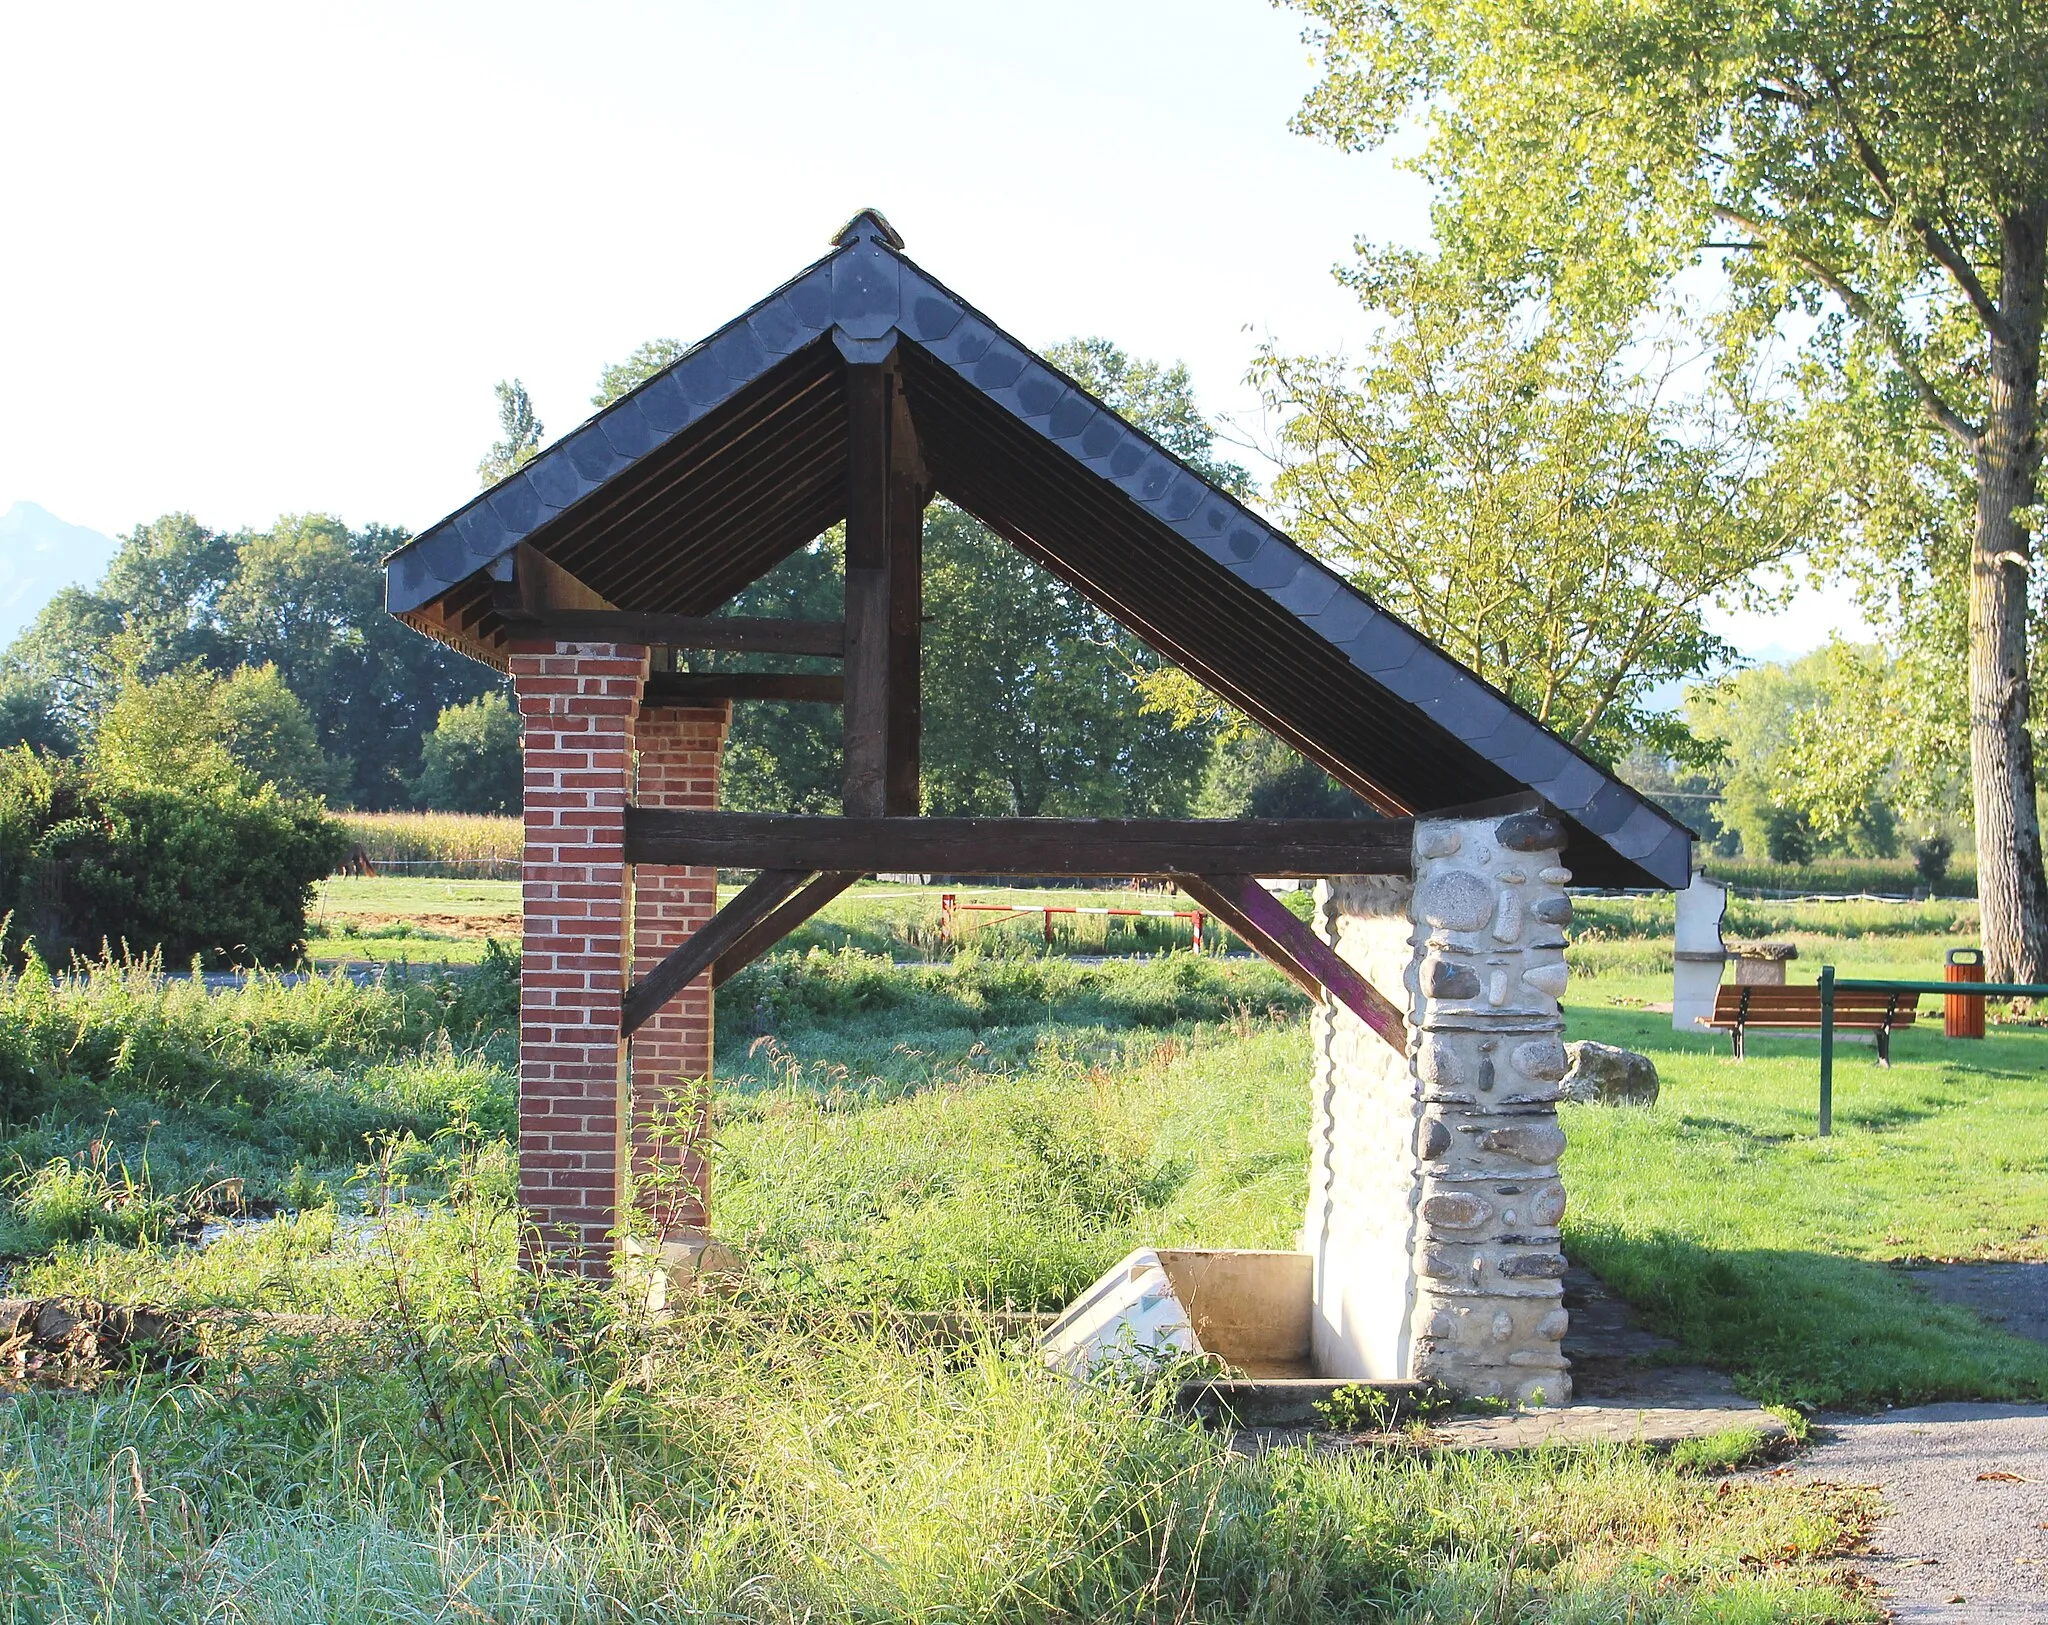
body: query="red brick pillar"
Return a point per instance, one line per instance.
(680, 751)
(578, 702)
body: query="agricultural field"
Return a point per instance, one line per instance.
(391, 1422)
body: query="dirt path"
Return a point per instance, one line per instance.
(1967, 1488)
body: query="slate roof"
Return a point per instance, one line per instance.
(679, 494)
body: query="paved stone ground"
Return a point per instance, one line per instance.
(1958, 1545)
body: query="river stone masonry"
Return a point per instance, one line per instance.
(1434, 1193)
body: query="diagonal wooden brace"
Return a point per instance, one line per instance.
(778, 925)
(1266, 923)
(768, 891)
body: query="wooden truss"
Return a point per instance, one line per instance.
(802, 863)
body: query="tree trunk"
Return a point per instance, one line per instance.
(2010, 884)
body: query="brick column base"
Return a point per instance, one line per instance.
(578, 702)
(680, 751)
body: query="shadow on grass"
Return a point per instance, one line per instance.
(1810, 1328)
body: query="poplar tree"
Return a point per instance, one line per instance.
(1875, 166)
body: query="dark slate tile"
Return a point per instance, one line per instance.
(1608, 810)
(1101, 438)
(1670, 860)
(667, 406)
(1381, 644)
(740, 356)
(1274, 565)
(864, 291)
(515, 504)
(701, 379)
(555, 479)
(1309, 593)
(1218, 515)
(482, 532)
(1415, 679)
(1526, 753)
(1130, 456)
(1643, 831)
(1466, 709)
(1182, 498)
(1037, 393)
(931, 317)
(1070, 416)
(810, 297)
(591, 453)
(1148, 480)
(998, 369)
(778, 328)
(1346, 617)
(626, 427)
(1244, 541)
(965, 345)
(1575, 783)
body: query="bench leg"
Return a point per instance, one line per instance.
(1735, 1037)
(1884, 1046)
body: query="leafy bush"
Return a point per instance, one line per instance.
(221, 868)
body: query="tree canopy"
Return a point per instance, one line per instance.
(1871, 179)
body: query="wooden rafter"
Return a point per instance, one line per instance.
(769, 891)
(778, 925)
(1270, 927)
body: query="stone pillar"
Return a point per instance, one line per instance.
(1434, 1194)
(577, 702)
(680, 752)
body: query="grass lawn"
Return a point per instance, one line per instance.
(991, 1131)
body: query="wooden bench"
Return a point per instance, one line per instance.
(1739, 1009)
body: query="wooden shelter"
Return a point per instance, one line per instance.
(858, 391)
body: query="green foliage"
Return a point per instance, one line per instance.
(1803, 772)
(1554, 503)
(220, 873)
(1250, 774)
(621, 376)
(471, 762)
(519, 434)
(305, 597)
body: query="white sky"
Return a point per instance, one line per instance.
(273, 257)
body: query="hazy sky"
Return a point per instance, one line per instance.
(273, 257)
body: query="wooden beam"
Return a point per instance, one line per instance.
(778, 925)
(867, 588)
(1021, 846)
(909, 488)
(768, 891)
(747, 634)
(1269, 926)
(695, 687)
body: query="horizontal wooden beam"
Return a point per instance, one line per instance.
(690, 687)
(747, 634)
(1020, 846)
(1270, 927)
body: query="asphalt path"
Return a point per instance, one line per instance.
(1966, 1485)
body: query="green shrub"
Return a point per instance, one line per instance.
(225, 874)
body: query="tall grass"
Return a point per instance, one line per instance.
(1888, 877)
(421, 843)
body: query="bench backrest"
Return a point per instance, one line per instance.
(1774, 1006)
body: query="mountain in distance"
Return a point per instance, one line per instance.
(40, 555)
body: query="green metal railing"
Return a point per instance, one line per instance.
(1829, 982)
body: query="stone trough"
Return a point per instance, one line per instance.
(1430, 1247)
